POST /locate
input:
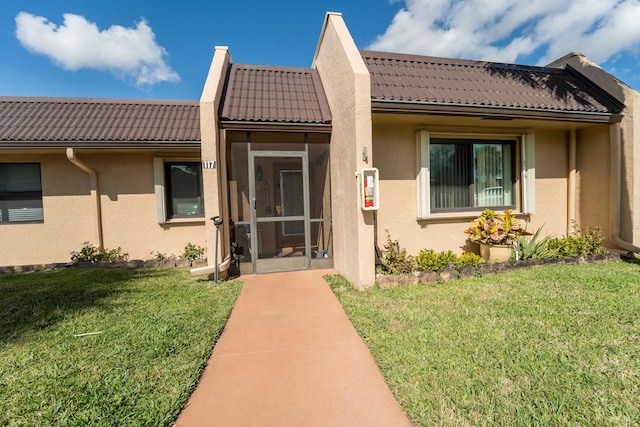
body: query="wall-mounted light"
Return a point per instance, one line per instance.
(365, 155)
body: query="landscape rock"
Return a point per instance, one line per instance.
(467, 271)
(614, 256)
(85, 264)
(408, 279)
(600, 257)
(428, 277)
(199, 263)
(571, 261)
(118, 264)
(485, 269)
(183, 262)
(167, 263)
(135, 263)
(385, 282)
(151, 263)
(502, 267)
(448, 274)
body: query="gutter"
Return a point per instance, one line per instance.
(95, 193)
(245, 125)
(615, 185)
(102, 145)
(505, 112)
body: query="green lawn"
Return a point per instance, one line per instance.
(547, 346)
(157, 329)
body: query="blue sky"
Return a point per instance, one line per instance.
(160, 49)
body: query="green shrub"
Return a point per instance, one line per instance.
(587, 242)
(533, 247)
(90, 253)
(427, 259)
(468, 258)
(114, 255)
(430, 260)
(192, 252)
(395, 260)
(161, 256)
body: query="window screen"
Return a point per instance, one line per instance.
(292, 201)
(184, 193)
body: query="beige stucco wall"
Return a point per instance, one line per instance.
(347, 85)
(128, 202)
(395, 151)
(624, 204)
(593, 179)
(552, 171)
(65, 191)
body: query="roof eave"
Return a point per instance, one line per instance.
(390, 106)
(246, 125)
(72, 100)
(121, 145)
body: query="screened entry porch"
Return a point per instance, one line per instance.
(280, 201)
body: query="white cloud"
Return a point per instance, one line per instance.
(506, 30)
(77, 44)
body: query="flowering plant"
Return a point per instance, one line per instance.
(496, 229)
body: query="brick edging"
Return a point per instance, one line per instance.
(134, 263)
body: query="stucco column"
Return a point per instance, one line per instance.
(210, 153)
(347, 84)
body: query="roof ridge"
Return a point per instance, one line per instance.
(283, 68)
(373, 54)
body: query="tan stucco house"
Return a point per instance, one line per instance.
(282, 156)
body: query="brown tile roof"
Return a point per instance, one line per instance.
(274, 94)
(428, 81)
(58, 121)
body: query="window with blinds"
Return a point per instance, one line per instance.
(471, 173)
(20, 193)
(184, 189)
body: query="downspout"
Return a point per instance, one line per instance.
(95, 192)
(571, 184)
(615, 185)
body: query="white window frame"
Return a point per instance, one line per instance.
(423, 179)
(159, 183)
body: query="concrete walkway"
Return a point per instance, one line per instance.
(290, 357)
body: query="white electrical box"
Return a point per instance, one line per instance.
(369, 189)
